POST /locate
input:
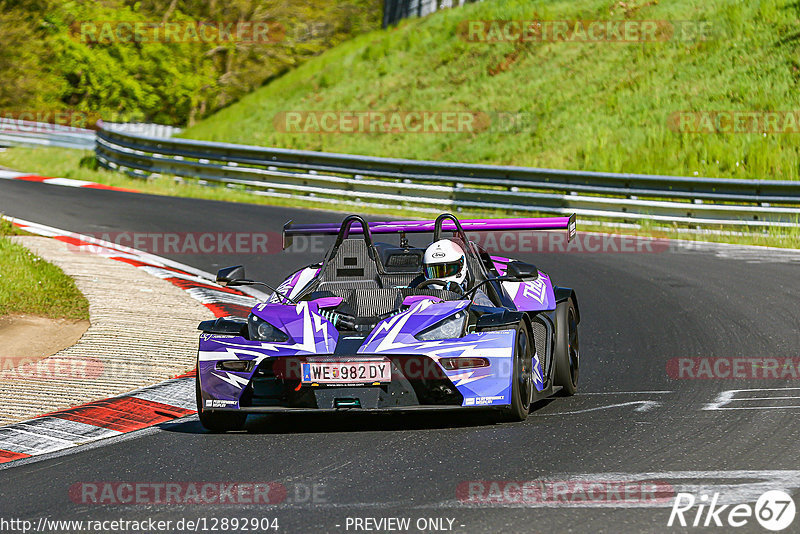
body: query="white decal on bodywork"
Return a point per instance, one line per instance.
(394, 325)
(537, 369)
(465, 378)
(233, 380)
(536, 290)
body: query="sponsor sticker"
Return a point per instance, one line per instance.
(221, 403)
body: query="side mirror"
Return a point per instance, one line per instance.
(522, 271)
(236, 326)
(229, 276)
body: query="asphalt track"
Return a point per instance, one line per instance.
(629, 421)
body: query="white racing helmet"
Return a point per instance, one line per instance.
(444, 260)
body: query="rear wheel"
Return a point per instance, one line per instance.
(567, 348)
(522, 379)
(216, 421)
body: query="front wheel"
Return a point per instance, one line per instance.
(567, 348)
(521, 379)
(216, 421)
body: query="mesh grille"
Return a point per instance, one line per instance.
(377, 301)
(539, 338)
(352, 257)
(351, 268)
(542, 334)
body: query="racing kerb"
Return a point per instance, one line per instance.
(68, 182)
(140, 408)
(430, 186)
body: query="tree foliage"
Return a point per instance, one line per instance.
(47, 64)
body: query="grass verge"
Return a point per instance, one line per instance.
(29, 285)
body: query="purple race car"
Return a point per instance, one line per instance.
(366, 330)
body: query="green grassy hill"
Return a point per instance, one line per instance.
(597, 106)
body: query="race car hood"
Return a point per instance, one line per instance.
(312, 333)
(398, 333)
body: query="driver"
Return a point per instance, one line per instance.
(445, 262)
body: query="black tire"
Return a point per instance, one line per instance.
(522, 382)
(217, 421)
(567, 348)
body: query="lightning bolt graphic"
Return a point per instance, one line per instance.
(321, 326)
(233, 380)
(466, 378)
(537, 370)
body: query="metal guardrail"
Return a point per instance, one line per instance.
(396, 10)
(434, 186)
(39, 134)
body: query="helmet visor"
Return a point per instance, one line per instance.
(444, 270)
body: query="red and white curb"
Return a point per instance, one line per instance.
(68, 182)
(98, 420)
(138, 409)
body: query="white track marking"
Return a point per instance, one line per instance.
(626, 393)
(641, 406)
(725, 398)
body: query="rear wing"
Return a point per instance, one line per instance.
(411, 227)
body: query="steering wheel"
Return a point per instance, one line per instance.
(449, 286)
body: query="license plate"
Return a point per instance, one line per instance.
(364, 372)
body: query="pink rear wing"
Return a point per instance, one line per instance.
(469, 225)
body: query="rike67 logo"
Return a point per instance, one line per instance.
(774, 510)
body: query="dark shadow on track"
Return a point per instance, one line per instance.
(352, 421)
(538, 405)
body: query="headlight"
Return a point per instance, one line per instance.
(239, 366)
(449, 328)
(261, 330)
(454, 364)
